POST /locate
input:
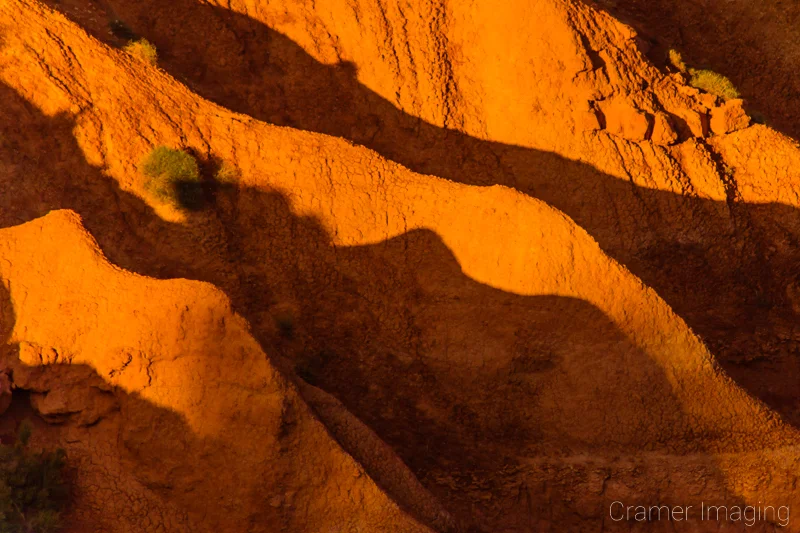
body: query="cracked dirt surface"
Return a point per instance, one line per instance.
(677, 214)
(177, 418)
(524, 280)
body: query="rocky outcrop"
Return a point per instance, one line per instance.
(178, 420)
(729, 117)
(663, 130)
(624, 120)
(491, 265)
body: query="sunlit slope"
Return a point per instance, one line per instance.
(481, 93)
(511, 242)
(171, 411)
(481, 332)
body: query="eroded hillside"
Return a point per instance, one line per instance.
(469, 277)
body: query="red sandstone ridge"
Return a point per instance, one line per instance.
(477, 267)
(165, 399)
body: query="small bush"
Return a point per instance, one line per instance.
(714, 83)
(706, 80)
(32, 488)
(144, 50)
(226, 174)
(173, 177)
(676, 60)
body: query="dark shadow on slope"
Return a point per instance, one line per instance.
(461, 379)
(7, 318)
(95, 411)
(729, 270)
(96, 452)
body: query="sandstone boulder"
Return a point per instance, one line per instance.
(696, 123)
(586, 119)
(82, 405)
(663, 131)
(708, 100)
(729, 117)
(625, 120)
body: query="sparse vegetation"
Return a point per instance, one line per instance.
(676, 60)
(173, 177)
(144, 50)
(227, 174)
(714, 83)
(703, 79)
(33, 491)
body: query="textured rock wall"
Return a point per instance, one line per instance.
(495, 287)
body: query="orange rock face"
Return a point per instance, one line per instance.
(461, 275)
(624, 120)
(729, 117)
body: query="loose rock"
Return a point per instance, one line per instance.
(624, 120)
(729, 117)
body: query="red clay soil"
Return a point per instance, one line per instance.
(439, 100)
(487, 279)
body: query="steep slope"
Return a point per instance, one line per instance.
(483, 94)
(523, 375)
(172, 414)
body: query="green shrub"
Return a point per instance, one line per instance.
(226, 174)
(173, 177)
(706, 80)
(32, 488)
(714, 83)
(144, 50)
(676, 60)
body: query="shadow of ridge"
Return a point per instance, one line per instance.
(132, 460)
(443, 418)
(728, 270)
(7, 317)
(94, 407)
(108, 468)
(368, 318)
